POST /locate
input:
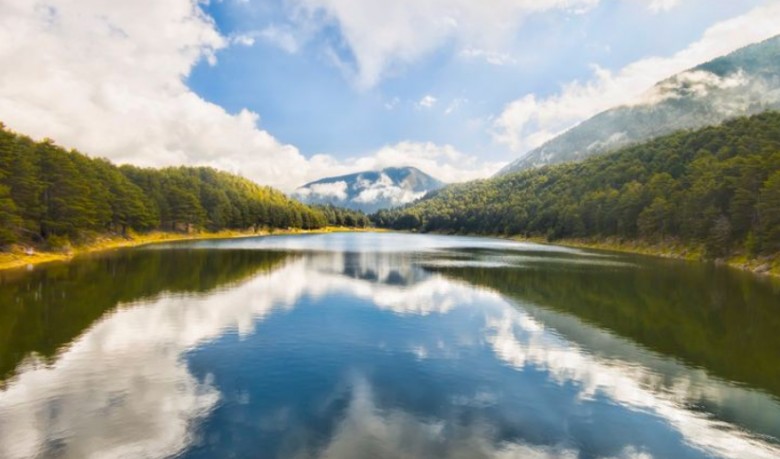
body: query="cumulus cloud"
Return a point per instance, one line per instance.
(530, 121)
(385, 190)
(427, 101)
(108, 78)
(335, 190)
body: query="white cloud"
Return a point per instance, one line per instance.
(696, 82)
(530, 121)
(383, 35)
(244, 39)
(283, 37)
(108, 78)
(384, 190)
(662, 5)
(443, 162)
(428, 101)
(336, 190)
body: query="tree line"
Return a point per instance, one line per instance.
(718, 187)
(52, 196)
(341, 216)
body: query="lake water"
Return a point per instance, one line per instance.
(383, 346)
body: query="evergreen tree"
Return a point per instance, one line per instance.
(47, 192)
(716, 188)
(769, 213)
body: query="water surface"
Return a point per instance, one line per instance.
(387, 345)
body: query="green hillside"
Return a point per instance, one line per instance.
(745, 82)
(718, 187)
(50, 196)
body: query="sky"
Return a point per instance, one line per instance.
(288, 91)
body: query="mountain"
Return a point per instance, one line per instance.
(717, 188)
(370, 191)
(745, 82)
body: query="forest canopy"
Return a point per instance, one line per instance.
(49, 195)
(718, 187)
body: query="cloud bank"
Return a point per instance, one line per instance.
(109, 79)
(530, 121)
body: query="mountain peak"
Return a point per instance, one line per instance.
(370, 191)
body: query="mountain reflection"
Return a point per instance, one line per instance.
(315, 348)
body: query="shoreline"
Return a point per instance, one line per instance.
(763, 266)
(18, 259)
(767, 266)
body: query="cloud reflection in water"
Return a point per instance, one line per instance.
(125, 387)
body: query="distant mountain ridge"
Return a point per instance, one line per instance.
(742, 83)
(370, 191)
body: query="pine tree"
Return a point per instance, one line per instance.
(769, 213)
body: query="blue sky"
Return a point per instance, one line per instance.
(289, 91)
(305, 99)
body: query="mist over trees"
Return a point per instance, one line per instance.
(52, 196)
(718, 187)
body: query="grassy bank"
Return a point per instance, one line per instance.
(18, 257)
(766, 265)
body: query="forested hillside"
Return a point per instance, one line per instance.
(52, 196)
(745, 82)
(718, 187)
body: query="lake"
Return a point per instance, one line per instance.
(382, 345)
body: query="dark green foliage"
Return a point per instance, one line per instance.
(8, 216)
(718, 187)
(50, 196)
(340, 216)
(769, 213)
